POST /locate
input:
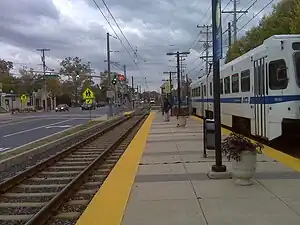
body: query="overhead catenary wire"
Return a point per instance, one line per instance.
(252, 4)
(117, 36)
(254, 16)
(106, 6)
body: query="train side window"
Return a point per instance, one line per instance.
(245, 80)
(278, 75)
(221, 86)
(227, 85)
(235, 83)
(193, 92)
(198, 92)
(204, 90)
(210, 89)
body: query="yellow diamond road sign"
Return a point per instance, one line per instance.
(89, 101)
(88, 94)
(23, 98)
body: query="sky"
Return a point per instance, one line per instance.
(152, 28)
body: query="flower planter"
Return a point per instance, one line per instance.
(244, 169)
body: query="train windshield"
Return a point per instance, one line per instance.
(297, 64)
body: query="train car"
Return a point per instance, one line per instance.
(260, 90)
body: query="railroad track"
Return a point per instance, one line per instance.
(58, 189)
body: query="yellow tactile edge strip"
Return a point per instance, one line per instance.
(108, 205)
(281, 157)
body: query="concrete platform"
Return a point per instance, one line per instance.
(162, 179)
(172, 187)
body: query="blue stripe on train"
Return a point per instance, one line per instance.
(253, 100)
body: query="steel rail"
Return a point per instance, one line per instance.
(15, 180)
(56, 202)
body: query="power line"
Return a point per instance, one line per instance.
(117, 36)
(255, 15)
(119, 27)
(235, 12)
(197, 37)
(243, 9)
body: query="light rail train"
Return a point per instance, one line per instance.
(260, 90)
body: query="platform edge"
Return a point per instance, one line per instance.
(109, 203)
(285, 159)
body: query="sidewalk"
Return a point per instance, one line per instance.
(172, 187)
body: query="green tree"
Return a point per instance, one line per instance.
(5, 67)
(8, 81)
(71, 67)
(284, 19)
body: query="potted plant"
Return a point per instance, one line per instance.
(243, 152)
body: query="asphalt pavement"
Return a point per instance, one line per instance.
(17, 130)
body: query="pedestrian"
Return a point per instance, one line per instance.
(166, 109)
(162, 106)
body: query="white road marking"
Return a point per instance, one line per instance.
(63, 126)
(3, 149)
(36, 128)
(11, 122)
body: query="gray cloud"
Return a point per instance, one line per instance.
(153, 27)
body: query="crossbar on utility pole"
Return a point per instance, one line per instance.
(235, 12)
(206, 45)
(43, 50)
(178, 77)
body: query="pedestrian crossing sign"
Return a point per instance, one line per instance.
(88, 101)
(23, 98)
(88, 94)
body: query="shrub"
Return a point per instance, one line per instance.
(233, 145)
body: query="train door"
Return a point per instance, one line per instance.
(260, 91)
(202, 107)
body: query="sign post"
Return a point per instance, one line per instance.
(217, 55)
(88, 96)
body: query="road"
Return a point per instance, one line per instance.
(20, 129)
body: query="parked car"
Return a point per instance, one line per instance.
(152, 100)
(62, 108)
(88, 107)
(101, 104)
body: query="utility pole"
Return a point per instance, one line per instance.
(109, 78)
(124, 71)
(206, 44)
(217, 55)
(178, 77)
(170, 83)
(235, 12)
(43, 50)
(229, 34)
(126, 89)
(132, 87)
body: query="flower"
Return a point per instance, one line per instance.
(234, 144)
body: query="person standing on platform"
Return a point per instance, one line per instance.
(162, 105)
(166, 109)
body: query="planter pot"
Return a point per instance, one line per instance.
(243, 171)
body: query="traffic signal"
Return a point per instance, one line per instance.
(121, 77)
(77, 74)
(114, 81)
